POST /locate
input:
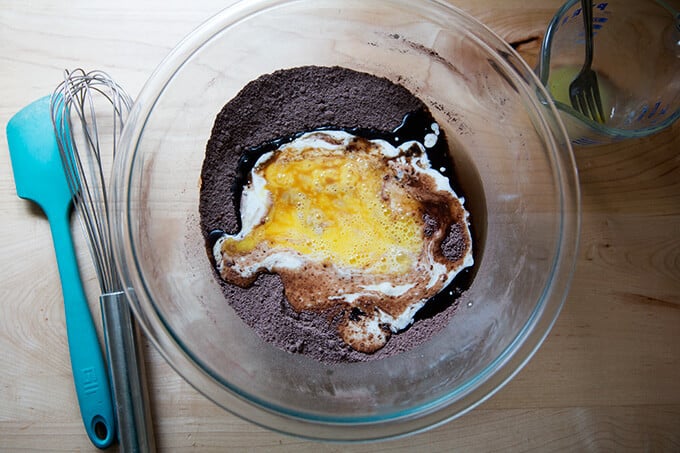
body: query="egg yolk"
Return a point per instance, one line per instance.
(337, 206)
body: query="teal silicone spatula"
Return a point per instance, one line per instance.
(40, 177)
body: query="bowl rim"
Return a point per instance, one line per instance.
(438, 411)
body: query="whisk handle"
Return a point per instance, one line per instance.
(126, 365)
(87, 359)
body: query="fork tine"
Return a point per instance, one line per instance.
(597, 99)
(591, 111)
(574, 97)
(582, 104)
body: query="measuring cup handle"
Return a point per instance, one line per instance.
(87, 360)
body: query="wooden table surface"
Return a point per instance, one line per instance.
(606, 378)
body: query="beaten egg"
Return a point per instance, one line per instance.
(350, 224)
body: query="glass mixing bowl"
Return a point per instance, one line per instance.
(513, 161)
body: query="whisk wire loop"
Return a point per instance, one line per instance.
(76, 117)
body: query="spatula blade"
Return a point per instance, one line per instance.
(39, 175)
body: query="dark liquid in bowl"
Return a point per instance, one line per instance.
(465, 181)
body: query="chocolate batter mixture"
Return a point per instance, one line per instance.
(279, 105)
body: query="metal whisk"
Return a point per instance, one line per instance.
(79, 106)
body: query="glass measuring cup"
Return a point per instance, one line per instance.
(637, 60)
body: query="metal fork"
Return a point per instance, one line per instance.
(584, 92)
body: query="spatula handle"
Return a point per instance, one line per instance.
(87, 361)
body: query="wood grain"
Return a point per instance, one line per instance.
(607, 377)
